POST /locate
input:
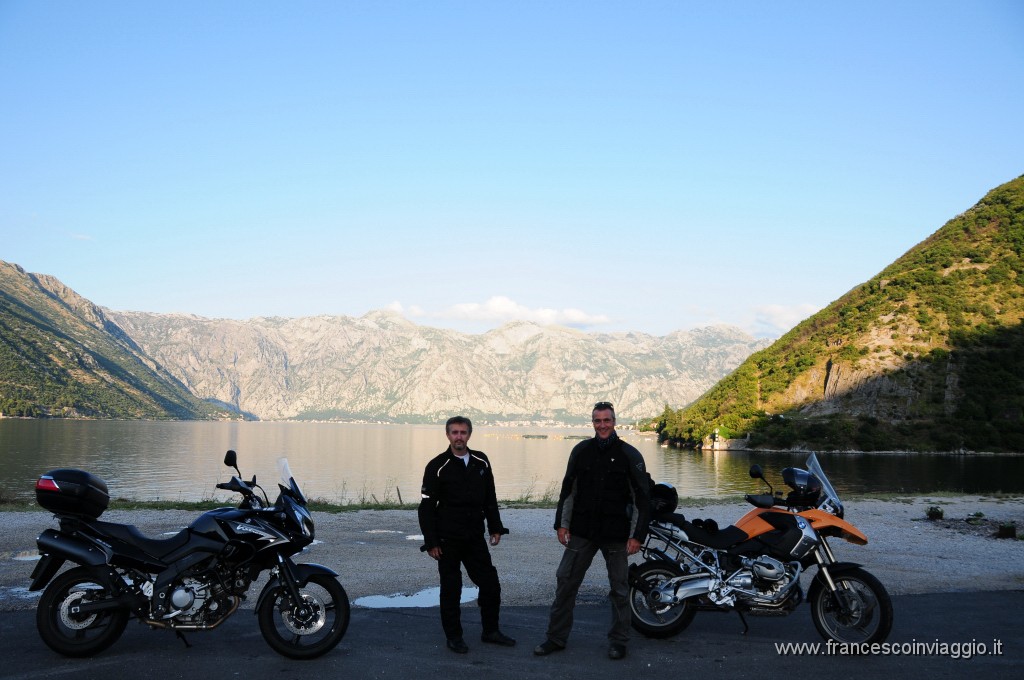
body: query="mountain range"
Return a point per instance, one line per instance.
(928, 354)
(62, 355)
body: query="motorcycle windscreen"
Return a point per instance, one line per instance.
(830, 493)
(287, 480)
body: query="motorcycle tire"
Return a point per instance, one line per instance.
(860, 611)
(311, 628)
(654, 619)
(72, 634)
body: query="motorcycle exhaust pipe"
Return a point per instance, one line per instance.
(72, 548)
(172, 624)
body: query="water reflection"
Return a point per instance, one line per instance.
(353, 462)
(726, 472)
(431, 597)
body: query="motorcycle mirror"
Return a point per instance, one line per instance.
(231, 460)
(756, 472)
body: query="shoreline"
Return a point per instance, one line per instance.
(121, 504)
(724, 445)
(376, 552)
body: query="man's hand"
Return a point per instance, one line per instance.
(632, 546)
(435, 552)
(495, 539)
(564, 536)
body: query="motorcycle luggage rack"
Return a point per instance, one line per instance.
(677, 549)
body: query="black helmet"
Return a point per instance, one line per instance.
(806, 487)
(664, 499)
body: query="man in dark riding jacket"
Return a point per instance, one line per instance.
(458, 497)
(604, 505)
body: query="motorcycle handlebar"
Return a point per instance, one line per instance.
(763, 500)
(237, 485)
(249, 497)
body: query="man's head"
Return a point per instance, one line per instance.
(603, 418)
(458, 430)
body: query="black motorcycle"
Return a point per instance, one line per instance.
(192, 581)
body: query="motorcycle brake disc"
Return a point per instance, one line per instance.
(65, 612)
(311, 622)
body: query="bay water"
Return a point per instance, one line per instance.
(345, 462)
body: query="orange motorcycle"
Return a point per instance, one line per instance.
(755, 565)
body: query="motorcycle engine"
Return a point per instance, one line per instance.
(762, 585)
(766, 569)
(766, 574)
(189, 597)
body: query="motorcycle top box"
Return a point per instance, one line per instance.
(75, 492)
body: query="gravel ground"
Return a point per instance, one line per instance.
(377, 552)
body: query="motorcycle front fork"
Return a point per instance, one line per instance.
(287, 577)
(825, 557)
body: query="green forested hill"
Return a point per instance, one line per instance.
(60, 356)
(926, 355)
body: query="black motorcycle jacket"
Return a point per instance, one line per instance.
(456, 499)
(605, 494)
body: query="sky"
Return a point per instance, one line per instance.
(609, 166)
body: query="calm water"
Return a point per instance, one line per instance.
(344, 462)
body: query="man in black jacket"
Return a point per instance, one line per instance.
(457, 497)
(603, 505)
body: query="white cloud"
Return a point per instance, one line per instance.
(412, 311)
(500, 309)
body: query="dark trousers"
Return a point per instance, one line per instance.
(576, 560)
(473, 554)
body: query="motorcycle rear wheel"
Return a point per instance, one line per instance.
(860, 611)
(71, 634)
(655, 619)
(310, 628)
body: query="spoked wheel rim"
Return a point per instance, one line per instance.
(650, 611)
(858, 611)
(651, 617)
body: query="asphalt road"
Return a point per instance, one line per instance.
(407, 643)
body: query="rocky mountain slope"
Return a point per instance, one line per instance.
(381, 366)
(61, 356)
(927, 354)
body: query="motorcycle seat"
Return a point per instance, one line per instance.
(719, 539)
(676, 518)
(157, 547)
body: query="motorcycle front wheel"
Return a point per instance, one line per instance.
(656, 619)
(311, 627)
(859, 611)
(64, 629)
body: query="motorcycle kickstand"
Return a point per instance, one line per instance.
(746, 628)
(181, 636)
